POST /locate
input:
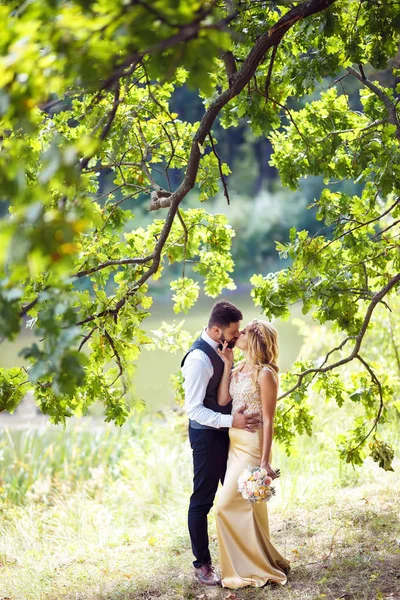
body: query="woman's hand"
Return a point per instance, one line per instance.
(273, 473)
(226, 354)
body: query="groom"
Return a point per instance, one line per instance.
(202, 369)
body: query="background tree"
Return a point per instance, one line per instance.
(88, 88)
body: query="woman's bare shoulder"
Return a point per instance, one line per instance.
(268, 376)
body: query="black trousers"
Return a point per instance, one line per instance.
(210, 453)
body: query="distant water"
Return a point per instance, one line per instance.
(152, 383)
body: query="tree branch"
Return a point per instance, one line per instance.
(230, 66)
(25, 309)
(87, 337)
(375, 300)
(186, 237)
(256, 55)
(112, 263)
(366, 128)
(269, 75)
(380, 409)
(392, 112)
(393, 340)
(118, 359)
(222, 176)
(186, 33)
(386, 229)
(285, 108)
(339, 237)
(84, 162)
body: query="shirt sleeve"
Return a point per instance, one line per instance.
(197, 373)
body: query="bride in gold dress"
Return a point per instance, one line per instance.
(247, 555)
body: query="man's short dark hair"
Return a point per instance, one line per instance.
(223, 313)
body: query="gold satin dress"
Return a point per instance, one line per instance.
(247, 555)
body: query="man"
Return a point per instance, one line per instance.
(208, 426)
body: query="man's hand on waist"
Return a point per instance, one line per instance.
(249, 422)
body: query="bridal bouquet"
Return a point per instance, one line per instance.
(255, 485)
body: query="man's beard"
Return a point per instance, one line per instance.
(231, 344)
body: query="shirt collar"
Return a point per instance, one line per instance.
(210, 341)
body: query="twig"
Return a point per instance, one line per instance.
(338, 80)
(356, 20)
(359, 226)
(222, 176)
(332, 543)
(386, 229)
(118, 359)
(366, 128)
(112, 263)
(340, 347)
(25, 309)
(393, 340)
(390, 107)
(186, 33)
(85, 161)
(269, 75)
(285, 108)
(87, 337)
(186, 235)
(378, 416)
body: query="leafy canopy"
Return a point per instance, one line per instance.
(86, 90)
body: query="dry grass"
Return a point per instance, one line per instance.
(120, 533)
(343, 544)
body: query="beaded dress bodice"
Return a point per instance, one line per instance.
(242, 392)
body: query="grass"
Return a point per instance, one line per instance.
(96, 515)
(94, 512)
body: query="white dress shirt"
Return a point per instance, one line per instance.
(197, 372)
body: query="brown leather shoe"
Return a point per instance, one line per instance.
(206, 575)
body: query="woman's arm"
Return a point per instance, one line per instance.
(269, 394)
(226, 354)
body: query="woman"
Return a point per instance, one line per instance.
(247, 555)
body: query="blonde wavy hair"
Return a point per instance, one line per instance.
(262, 349)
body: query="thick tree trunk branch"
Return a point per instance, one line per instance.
(239, 81)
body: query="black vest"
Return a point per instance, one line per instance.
(210, 400)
